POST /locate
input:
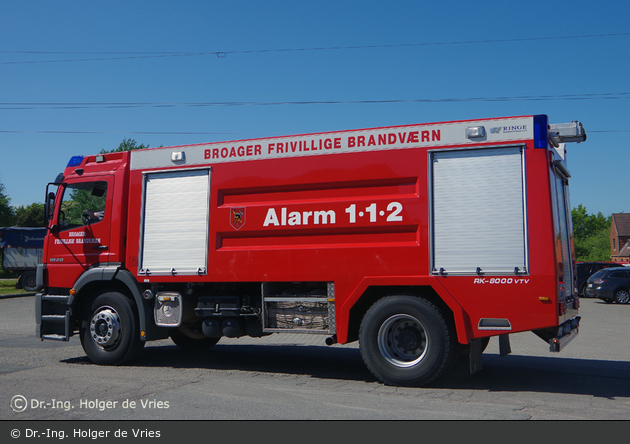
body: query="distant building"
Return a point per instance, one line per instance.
(620, 237)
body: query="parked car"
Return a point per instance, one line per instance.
(610, 285)
(587, 269)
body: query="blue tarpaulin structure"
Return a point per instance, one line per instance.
(20, 237)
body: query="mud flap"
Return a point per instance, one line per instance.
(504, 345)
(474, 355)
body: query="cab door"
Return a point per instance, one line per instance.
(81, 229)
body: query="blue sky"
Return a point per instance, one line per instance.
(63, 62)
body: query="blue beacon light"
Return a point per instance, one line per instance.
(75, 161)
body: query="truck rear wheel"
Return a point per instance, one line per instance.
(29, 281)
(109, 333)
(405, 341)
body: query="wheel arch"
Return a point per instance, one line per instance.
(102, 279)
(371, 293)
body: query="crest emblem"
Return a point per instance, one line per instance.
(237, 217)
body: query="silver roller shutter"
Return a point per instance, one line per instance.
(478, 212)
(175, 223)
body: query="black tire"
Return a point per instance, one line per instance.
(109, 332)
(191, 344)
(405, 341)
(622, 296)
(582, 292)
(29, 281)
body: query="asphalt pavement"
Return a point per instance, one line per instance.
(297, 377)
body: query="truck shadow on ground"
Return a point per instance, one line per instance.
(513, 373)
(606, 379)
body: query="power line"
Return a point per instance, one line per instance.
(122, 55)
(118, 105)
(609, 131)
(100, 59)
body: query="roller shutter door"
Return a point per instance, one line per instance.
(175, 223)
(478, 215)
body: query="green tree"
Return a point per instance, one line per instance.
(126, 145)
(30, 216)
(591, 235)
(595, 247)
(585, 225)
(7, 213)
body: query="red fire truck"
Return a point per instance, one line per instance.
(419, 241)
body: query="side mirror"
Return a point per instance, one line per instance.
(50, 206)
(49, 203)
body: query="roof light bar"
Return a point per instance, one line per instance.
(177, 156)
(566, 132)
(475, 132)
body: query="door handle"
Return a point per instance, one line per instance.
(100, 247)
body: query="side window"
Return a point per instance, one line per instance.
(619, 275)
(597, 275)
(82, 204)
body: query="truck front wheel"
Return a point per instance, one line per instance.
(405, 341)
(109, 332)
